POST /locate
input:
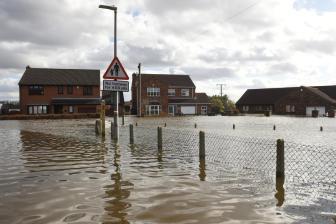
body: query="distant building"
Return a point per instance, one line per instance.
(291, 101)
(162, 95)
(59, 91)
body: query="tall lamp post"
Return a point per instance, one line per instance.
(116, 110)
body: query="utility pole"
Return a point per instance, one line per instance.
(221, 88)
(116, 109)
(139, 67)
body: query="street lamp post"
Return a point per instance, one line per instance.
(116, 110)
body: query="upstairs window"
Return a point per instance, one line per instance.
(184, 92)
(60, 90)
(36, 90)
(87, 91)
(69, 90)
(171, 92)
(151, 91)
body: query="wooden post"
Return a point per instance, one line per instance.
(123, 119)
(274, 127)
(165, 124)
(195, 125)
(321, 128)
(201, 145)
(280, 172)
(112, 130)
(233, 126)
(136, 123)
(159, 133)
(102, 117)
(131, 134)
(280, 159)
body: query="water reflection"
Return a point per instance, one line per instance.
(280, 194)
(116, 194)
(202, 173)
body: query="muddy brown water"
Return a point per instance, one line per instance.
(59, 171)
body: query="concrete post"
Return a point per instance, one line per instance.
(131, 134)
(201, 145)
(98, 127)
(159, 133)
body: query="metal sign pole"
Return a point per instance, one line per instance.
(116, 109)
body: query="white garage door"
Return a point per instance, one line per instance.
(188, 109)
(309, 111)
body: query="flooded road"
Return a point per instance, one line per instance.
(61, 172)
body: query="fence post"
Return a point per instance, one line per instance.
(165, 124)
(280, 172)
(159, 132)
(195, 125)
(280, 159)
(123, 119)
(102, 117)
(321, 128)
(274, 127)
(97, 127)
(131, 134)
(202, 145)
(233, 126)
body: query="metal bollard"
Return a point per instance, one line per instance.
(201, 145)
(159, 133)
(131, 134)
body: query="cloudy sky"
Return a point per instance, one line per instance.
(242, 43)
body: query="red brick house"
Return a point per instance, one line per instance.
(163, 94)
(290, 101)
(49, 91)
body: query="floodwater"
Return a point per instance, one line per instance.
(59, 171)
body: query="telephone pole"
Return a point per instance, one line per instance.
(221, 88)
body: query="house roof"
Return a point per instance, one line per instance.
(269, 96)
(52, 76)
(263, 96)
(170, 80)
(200, 98)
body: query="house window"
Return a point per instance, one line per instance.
(204, 110)
(246, 108)
(290, 108)
(71, 110)
(151, 91)
(259, 108)
(171, 92)
(69, 90)
(184, 92)
(36, 90)
(153, 110)
(38, 109)
(87, 91)
(60, 90)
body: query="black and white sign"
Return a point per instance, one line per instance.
(110, 85)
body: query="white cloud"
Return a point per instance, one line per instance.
(246, 44)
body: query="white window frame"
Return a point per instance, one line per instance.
(246, 108)
(171, 92)
(204, 109)
(153, 110)
(153, 91)
(71, 109)
(290, 108)
(185, 92)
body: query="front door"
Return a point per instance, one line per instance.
(171, 110)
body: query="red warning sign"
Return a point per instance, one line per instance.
(116, 71)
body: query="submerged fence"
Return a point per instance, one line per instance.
(304, 172)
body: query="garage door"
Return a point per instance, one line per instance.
(188, 109)
(309, 111)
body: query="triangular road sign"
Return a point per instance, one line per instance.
(116, 71)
